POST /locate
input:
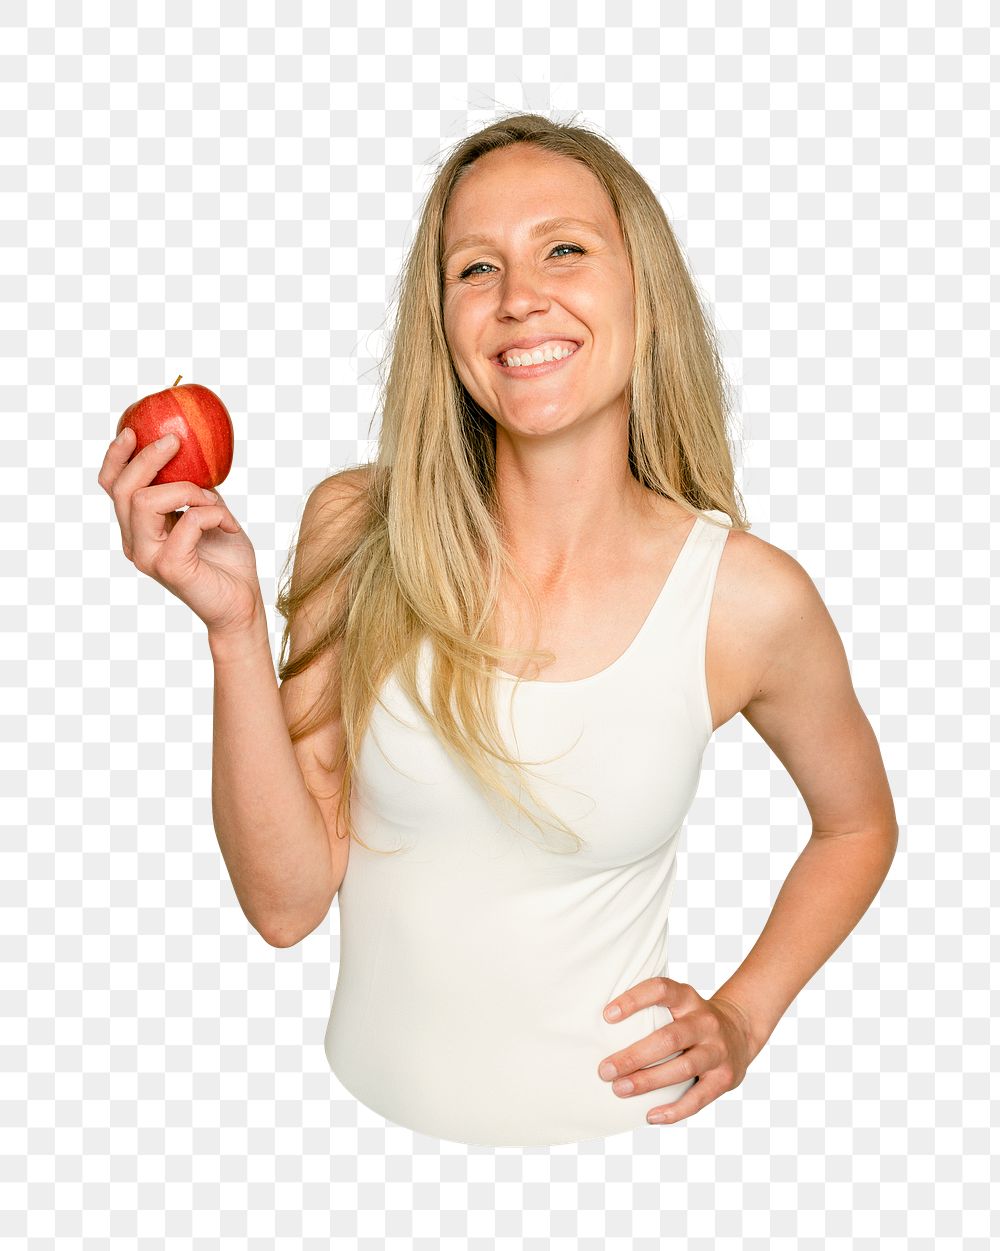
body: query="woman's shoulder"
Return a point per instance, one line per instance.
(765, 593)
(329, 497)
(344, 482)
(333, 514)
(754, 562)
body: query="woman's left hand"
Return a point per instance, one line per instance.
(713, 1035)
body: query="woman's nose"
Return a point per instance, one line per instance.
(522, 289)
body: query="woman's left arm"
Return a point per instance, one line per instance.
(806, 710)
(803, 705)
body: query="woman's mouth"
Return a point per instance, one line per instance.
(534, 370)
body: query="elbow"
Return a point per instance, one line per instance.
(889, 843)
(289, 928)
(276, 932)
(281, 933)
(286, 933)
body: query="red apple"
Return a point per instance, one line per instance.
(199, 419)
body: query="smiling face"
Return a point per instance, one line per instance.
(513, 275)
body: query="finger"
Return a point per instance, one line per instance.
(703, 1092)
(116, 458)
(128, 468)
(152, 507)
(642, 995)
(672, 1070)
(138, 472)
(169, 496)
(674, 1036)
(179, 552)
(662, 1058)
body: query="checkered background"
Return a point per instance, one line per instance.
(229, 198)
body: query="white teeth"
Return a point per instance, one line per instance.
(544, 352)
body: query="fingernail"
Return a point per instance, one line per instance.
(607, 1070)
(210, 495)
(124, 435)
(613, 1013)
(656, 1118)
(166, 441)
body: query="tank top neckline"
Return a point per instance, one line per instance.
(574, 683)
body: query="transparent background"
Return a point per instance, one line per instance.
(229, 197)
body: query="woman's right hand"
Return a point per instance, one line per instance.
(202, 556)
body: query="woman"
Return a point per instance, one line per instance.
(553, 468)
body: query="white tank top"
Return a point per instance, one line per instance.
(475, 964)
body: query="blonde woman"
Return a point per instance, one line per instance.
(508, 642)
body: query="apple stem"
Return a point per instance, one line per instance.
(177, 379)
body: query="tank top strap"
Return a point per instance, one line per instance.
(674, 635)
(696, 575)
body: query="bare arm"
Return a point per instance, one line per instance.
(270, 828)
(271, 802)
(805, 708)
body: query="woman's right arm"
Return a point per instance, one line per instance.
(273, 812)
(273, 816)
(269, 826)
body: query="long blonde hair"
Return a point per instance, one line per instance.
(424, 557)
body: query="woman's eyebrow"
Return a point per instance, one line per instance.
(539, 228)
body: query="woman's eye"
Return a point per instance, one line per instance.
(478, 267)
